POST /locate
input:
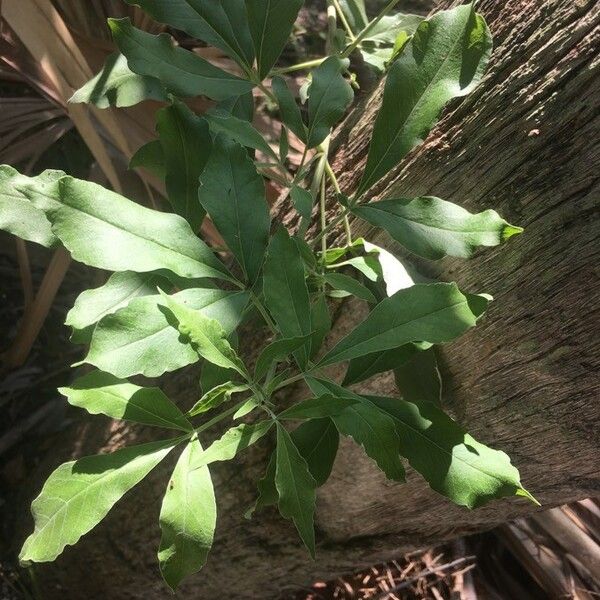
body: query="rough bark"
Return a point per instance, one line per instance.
(526, 143)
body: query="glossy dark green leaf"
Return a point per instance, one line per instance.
(321, 322)
(296, 488)
(434, 313)
(18, 214)
(348, 284)
(207, 336)
(241, 106)
(367, 366)
(239, 130)
(446, 58)
(233, 194)
(317, 408)
(186, 145)
(288, 108)
(121, 235)
(180, 71)
(151, 157)
(434, 228)
(367, 425)
(221, 24)
(317, 441)
(188, 518)
(104, 394)
(216, 396)
(233, 441)
(330, 96)
(62, 511)
(117, 85)
(277, 351)
(140, 338)
(452, 462)
(271, 23)
(419, 379)
(285, 290)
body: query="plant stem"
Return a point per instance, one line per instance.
(309, 64)
(263, 312)
(336, 187)
(331, 27)
(221, 416)
(344, 214)
(323, 219)
(365, 32)
(343, 19)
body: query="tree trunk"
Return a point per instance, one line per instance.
(526, 143)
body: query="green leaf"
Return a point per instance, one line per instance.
(233, 194)
(232, 442)
(212, 376)
(271, 23)
(285, 290)
(120, 289)
(330, 96)
(277, 351)
(18, 214)
(241, 106)
(317, 441)
(367, 425)
(151, 157)
(188, 518)
(139, 339)
(207, 335)
(318, 408)
(364, 367)
(117, 85)
(223, 24)
(296, 488)
(104, 394)
(180, 71)
(186, 145)
(239, 130)
(386, 31)
(434, 228)
(63, 510)
(121, 235)
(303, 203)
(284, 144)
(453, 463)
(246, 408)
(418, 379)
(217, 396)
(288, 108)
(321, 322)
(434, 313)
(446, 58)
(348, 284)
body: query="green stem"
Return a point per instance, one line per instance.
(343, 215)
(263, 312)
(323, 220)
(343, 19)
(336, 186)
(221, 416)
(365, 32)
(309, 64)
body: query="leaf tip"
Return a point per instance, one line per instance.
(523, 493)
(511, 230)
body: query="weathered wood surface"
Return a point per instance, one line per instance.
(526, 380)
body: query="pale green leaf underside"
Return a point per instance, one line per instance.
(140, 339)
(103, 393)
(117, 85)
(434, 228)
(79, 494)
(216, 396)
(188, 518)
